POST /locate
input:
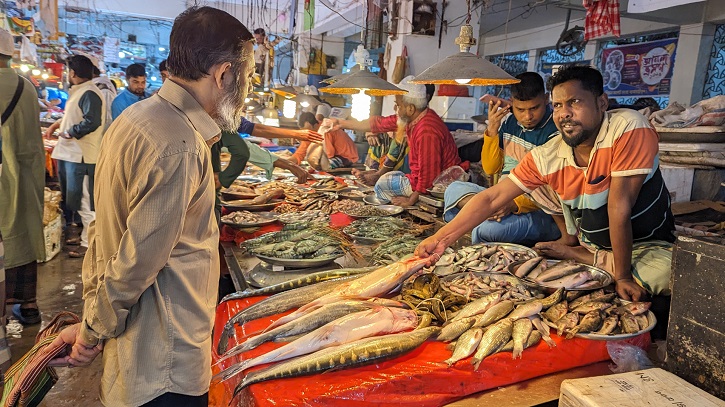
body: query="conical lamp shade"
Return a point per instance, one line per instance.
(341, 76)
(465, 68)
(285, 91)
(365, 81)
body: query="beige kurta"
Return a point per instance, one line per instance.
(151, 273)
(23, 175)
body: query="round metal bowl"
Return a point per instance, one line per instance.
(372, 199)
(604, 278)
(391, 210)
(266, 218)
(347, 195)
(298, 263)
(618, 337)
(435, 194)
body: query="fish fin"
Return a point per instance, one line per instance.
(224, 340)
(546, 338)
(450, 362)
(572, 332)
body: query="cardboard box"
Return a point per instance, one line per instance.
(652, 387)
(53, 232)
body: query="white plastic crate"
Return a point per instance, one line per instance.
(53, 232)
(651, 387)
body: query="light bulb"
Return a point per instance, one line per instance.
(247, 100)
(463, 81)
(360, 106)
(44, 76)
(162, 49)
(288, 108)
(153, 78)
(305, 104)
(36, 72)
(121, 55)
(24, 68)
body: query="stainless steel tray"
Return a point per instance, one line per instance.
(266, 219)
(392, 210)
(604, 278)
(372, 199)
(299, 263)
(599, 337)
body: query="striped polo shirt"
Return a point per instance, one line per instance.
(516, 140)
(626, 145)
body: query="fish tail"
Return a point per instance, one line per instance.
(572, 332)
(450, 362)
(476, 363)
(548, 340)
(224, 340)
(518, 350)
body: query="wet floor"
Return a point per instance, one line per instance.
(77, 387)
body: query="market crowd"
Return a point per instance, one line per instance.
(142, 172)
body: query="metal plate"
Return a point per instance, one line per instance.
(347, 195)
(321, 176)
(392, 210)
(435, 194)
(336, 190)
(266, 218)
(604, 278)
(298, 263)
(372, 199)
(251, 208)
(599, 337)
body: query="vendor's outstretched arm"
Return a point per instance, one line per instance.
(623, 193)
(479, 208)
(350, 124)
(260, 130)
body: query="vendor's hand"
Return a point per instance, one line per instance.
(404, 201)
(334, 124)
(504, 211)
(78, 353)
(496, 112)
(629, 290)
(372, 139)
(300, 173)
(432, 248)
(308, 135)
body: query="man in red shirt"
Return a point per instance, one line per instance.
(432, 148)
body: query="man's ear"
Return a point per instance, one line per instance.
(603, 101)
(219, 71)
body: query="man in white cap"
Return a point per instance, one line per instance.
(323, 111)
(22, 178)
(432, 148)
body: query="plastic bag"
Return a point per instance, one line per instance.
(627, 357)
(449, 176)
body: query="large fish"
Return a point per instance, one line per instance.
(275, 304)
(479, 306)
(609, 325)
(358, 353)
(524, 269)
(555, 313)
(559, 270)
(591, 322)
(568, 321)
(522, 329)
(374, 284)
(570, 281)
(534, 338)
(495, 337)
(628, 323)
(358, 325)
(466, 345)
(305, 324)
(495, 313)
(309, 279)
(526, 310)
(454, 329)
(634, 308)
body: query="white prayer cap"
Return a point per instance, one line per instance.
(7, 43)
(324, 109)
(415, 90)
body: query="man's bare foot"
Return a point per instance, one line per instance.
(568, 240)
(562, 251)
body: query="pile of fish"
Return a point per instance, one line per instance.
(476, 285)
(321, 201)
(383, 228)
(366, 211)
(286, 208)
(241, 217)
(491, 324)
(292, 192)
(564, 274)
(484, 257)
(310, 243)
(599, 313)
(344, 205)
(305, 216)
(344, 323)
(394, 249)
(329, 184)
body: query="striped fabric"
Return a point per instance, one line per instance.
(393, 184)
(30, 378)
(626, 145)
(4, 347)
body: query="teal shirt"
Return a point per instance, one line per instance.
(124, 100)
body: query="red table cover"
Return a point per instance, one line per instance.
(417, 379)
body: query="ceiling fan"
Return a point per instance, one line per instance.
(571, 41)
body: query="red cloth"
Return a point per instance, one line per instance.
(417, 379)
(602, 18)
(432, 148)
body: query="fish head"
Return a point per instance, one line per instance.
(403, 318)
(384, 302)
(637, 308)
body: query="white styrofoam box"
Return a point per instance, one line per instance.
(52, 233)
(652, 387)
(453, 107)
(678, 179)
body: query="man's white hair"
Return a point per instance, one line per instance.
(419, 103)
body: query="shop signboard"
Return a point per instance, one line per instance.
(111, 47)
(639, 70)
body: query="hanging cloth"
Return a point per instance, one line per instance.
(602, 18)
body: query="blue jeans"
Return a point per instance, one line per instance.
(70, 176)
(526, 229)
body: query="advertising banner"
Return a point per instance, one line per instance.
(639, 70)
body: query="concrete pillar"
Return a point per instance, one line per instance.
(533, 54)
(692, 56)
(590, 51)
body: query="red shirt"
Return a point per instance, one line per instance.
(432, 148)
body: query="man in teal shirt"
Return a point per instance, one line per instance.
(134, 92)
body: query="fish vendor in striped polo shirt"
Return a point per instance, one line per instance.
(604, 166)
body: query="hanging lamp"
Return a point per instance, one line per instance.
(465, 68)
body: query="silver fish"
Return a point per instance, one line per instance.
(568, 321)
(479, 306)
(495, 313)
(536, 272)
(559, 270)
(358, 353)
(628, 323)
(521, 332)
(609, 325)
(277, 303)
(495, 337)
(526, 310)
(543, 329)
(466, 345)
(570, 281)
(455, 329)
(591, 322)
(555, 313)
(534, 338)
(524, 269)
